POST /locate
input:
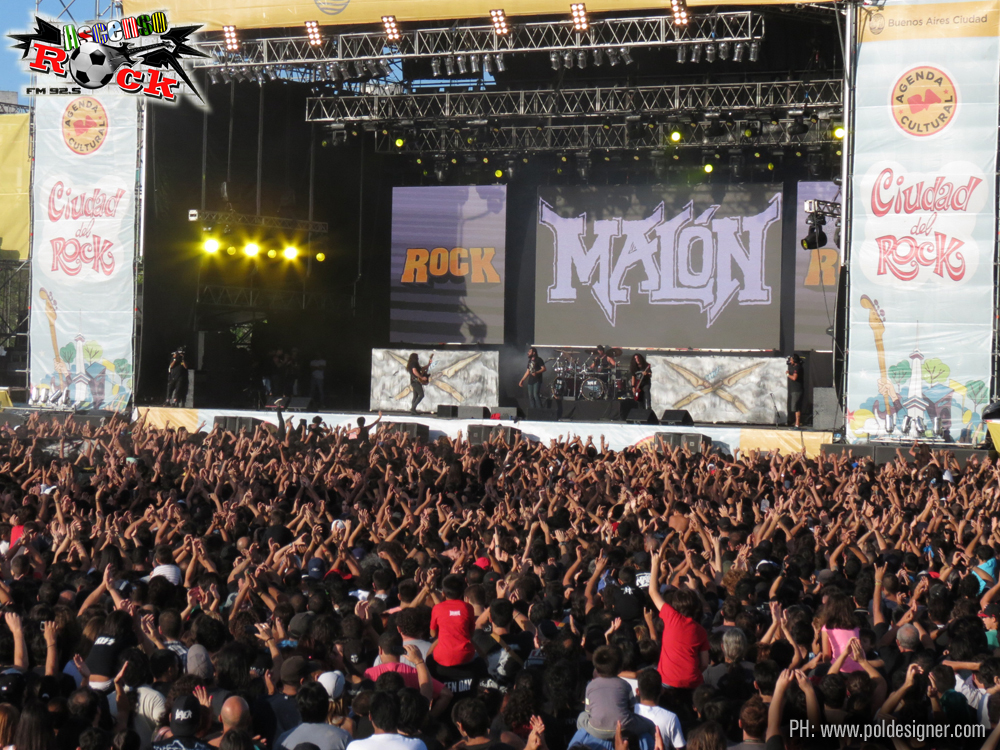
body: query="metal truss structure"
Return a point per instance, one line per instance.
(232, 218)
(516, 139)
(9, 108)
(247, 298)
(603, 34)
(786, 97)
(15, 290)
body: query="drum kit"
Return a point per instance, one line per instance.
(578, 378)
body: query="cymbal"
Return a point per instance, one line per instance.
(614, 352)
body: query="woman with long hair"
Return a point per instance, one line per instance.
(34, 729)
(9, 716)
(837, 628)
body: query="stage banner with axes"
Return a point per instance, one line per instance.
(457, 378)
(923, 217)
(722, 389)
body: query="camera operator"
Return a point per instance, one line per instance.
(177, 380)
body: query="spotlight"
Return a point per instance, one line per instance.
(555, 59)
(359, 69)
(583, 166)
(751, 130)
(212, 77)
(211, 245)
(488, 66)
(345, 71)
(372, 66)
(676, 136)
(231, 250)
(568, 58)
(224, 76)
(499, 18)
(696, 53)
(681, 55)
(385, 67)
(797, 127)
(612, 57)
(738, 51)
(232, 41)
(724, 50)
(449, 65)
(272, 253)
(320, 257)
(501, 65)
(598, 58)
(312, 31)
(290, 253)
(708, 168)
(391, 28)
(579, 11)
(736, 166)
(710, 52)
(463, 67)
(581, 59)
(498, 173)
(839, 132)
(626, 55)
(474, 64)
(754, 50)
(815, 238)
(680, 12)
(436, 66)
(251, 249)
(399, 142)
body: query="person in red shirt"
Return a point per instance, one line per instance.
(452, 624)
(684, 649)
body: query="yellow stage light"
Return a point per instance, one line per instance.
(211, 245)
(251, 249)
(290, 253)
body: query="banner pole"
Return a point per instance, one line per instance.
(847, 196)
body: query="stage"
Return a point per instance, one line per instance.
(617, 435)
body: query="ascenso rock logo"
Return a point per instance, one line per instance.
(140, 55)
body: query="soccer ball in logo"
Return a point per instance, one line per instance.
(91, 66)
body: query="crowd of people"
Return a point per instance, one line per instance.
(314, 588)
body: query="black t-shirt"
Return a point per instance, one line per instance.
(504, 663)
(181, 743)
(624, 601)
(535, 364)
(796, 370)
(280, 534)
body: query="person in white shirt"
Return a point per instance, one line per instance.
(384, 716)
(666, 722)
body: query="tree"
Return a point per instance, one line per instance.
(900, 373)
(935, 371)
(68, 353)
(92, 351)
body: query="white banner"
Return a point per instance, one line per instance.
(82, 287)
(921, 296)
(456, 378)
(722, 389)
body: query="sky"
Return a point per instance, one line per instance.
(16, 16)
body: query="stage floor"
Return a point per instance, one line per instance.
(617, 435)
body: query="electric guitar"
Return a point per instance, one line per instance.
(425, 372)
(637, 382)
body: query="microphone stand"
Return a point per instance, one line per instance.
(775, 405)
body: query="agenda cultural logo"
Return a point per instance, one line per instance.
(139, 54)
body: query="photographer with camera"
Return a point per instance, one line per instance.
(177, 380)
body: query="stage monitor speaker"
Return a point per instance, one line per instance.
(235, 424)
(298, 403)
(12, 419)
(541, 415)
(638, 415)
(505, 412)
(483, 433)
(677, 417)
(473, 412)
(827, 414)
(447, 411)
(669, 439)
(413, 429)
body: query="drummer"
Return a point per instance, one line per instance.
(603, 360)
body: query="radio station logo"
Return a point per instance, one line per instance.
(876, 23)
(923, 101)
(138, 55)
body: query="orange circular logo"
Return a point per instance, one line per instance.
(924, 100)
(85, 125)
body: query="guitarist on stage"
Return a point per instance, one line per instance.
(418, 379)
(642, 378)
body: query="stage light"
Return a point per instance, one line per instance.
(752, 130)
(501, 65)
(213, 78)
(499, 19)
(797, 127)
(312, 31)
(625, 55)
(391, 28)
(359, 69)
(710, 52)
(488, 64)
(399, 142)
(738, 51)
(598, 58)
(568, 59)
(474, 64)
(372, 66)
(272, 253)
(696, 53)
(680, 12)
(555, 60)
(498, 174)
(211, 245)
(815, 238)
(290, 253)
(754, 50)
(436, 66)
(449, 65)
(251, 249)
(675, 136)
(385, 67)
(579, 11)
(723, 50)
(462, 66)
(231, 250)
(839, 132)
(320, 257)
(581, 59)
(612, 57)
(708, 168)
(681, 55)
(232, 41)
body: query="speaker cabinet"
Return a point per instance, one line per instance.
(235, 424)
(483, 433)
(677, 417)
(447, 411)
(506, 412)
(473, 412)
(415, 430)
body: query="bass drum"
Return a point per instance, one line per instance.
(593, 389)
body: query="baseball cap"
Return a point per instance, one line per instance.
(316, 568)
(185, 716)
(334, 683)
(294, 670)
(299, 624)
(199, 662)
(482, 562)
(993, 610)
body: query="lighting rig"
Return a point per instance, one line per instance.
(817, 213)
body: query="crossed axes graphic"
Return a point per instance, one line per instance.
(438, 378)
(718, 386)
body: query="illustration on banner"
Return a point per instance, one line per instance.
(81, 376)
(917, 397)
